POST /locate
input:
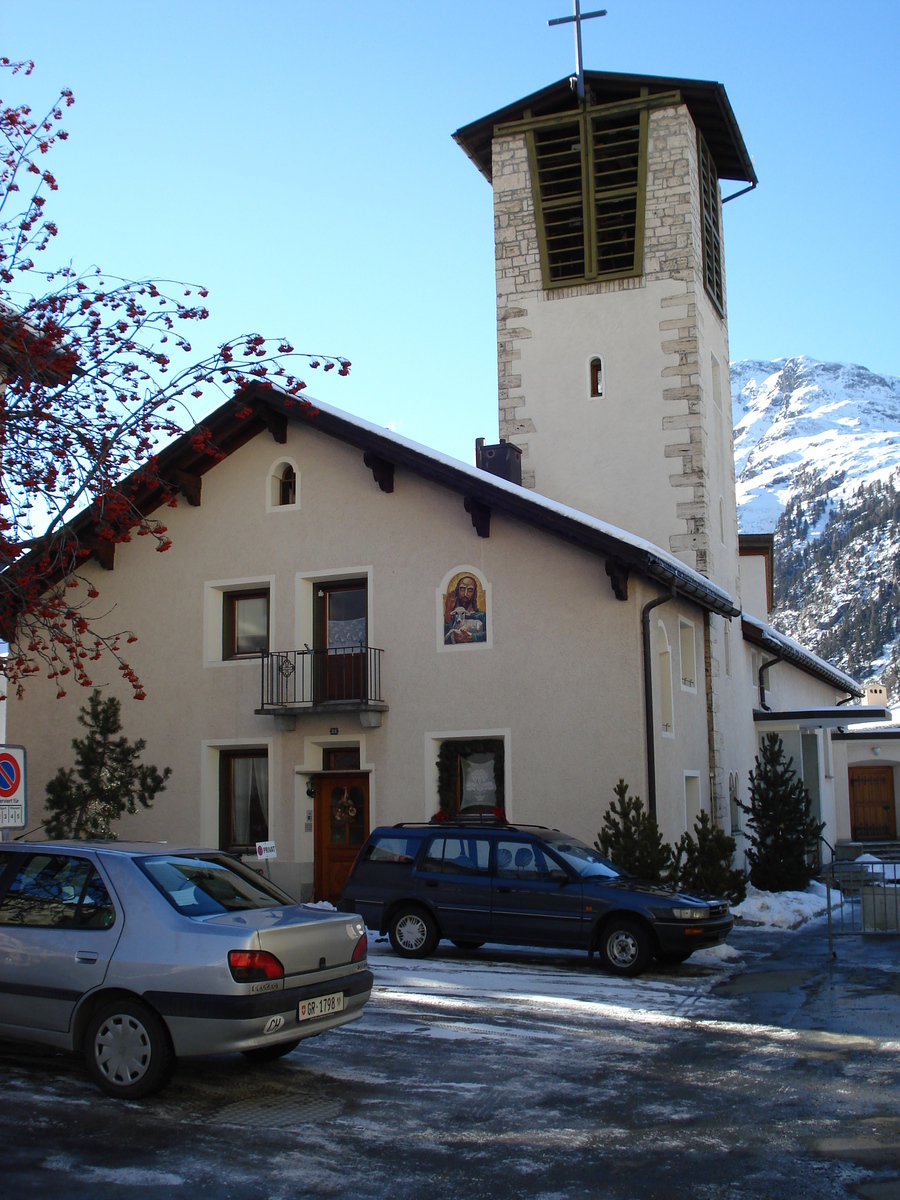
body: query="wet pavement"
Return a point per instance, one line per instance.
(516, 1073)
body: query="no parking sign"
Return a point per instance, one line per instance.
(12, 787)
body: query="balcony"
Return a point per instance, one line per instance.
(345, 679)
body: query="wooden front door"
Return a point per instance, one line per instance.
(341, 827)
(873, 817)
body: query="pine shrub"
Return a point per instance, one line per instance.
(781, 822)
(703, 867)
(631, 838)
(106, 781)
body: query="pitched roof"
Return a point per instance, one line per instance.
(767, 638)
(589, 532)
(183, 461)
(707, 102)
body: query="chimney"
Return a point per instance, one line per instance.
(503, 460)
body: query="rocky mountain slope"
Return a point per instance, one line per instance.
(817, 460)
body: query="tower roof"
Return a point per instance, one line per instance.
(707, 102)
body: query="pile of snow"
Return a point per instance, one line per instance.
(784, 910)
(715, 954)
(878, 867)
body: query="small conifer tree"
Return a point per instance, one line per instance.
(110, 779)
(780, 818)
(631, 838)
(703, 866)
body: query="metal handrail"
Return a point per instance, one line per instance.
(293, 679)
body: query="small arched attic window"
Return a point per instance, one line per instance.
(287, 485)
(283, 490)
(597, 383)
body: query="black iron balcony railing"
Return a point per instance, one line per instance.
(296, 679)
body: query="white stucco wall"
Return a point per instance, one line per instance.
(562, 678)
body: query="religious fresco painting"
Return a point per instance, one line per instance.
(465, 610)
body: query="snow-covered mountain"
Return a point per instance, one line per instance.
(817, 461)
(838, 420)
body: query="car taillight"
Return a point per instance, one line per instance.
(253, 966)
(360, 949)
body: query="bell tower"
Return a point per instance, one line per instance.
(612, 337)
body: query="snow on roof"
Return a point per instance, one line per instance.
(793, 652)
(659, 563)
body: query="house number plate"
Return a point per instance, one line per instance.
(322, 1006)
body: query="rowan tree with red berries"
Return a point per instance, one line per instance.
(95, 375)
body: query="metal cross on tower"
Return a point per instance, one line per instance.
(576, 19)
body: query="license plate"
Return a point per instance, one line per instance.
(322, 1006)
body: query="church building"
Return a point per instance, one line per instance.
(351, 629)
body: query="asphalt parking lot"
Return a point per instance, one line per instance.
(508, 1073)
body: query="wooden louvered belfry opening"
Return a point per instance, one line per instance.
(712, 237)
(560, 184)
(589, 175)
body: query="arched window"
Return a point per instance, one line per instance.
(596, 377)
(666, 706)
(283, 486)
(287, 488)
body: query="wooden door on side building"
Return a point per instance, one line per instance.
(341, 826)
(873, 816)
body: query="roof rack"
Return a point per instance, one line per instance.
(475, 819)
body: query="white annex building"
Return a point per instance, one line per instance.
(351, 629)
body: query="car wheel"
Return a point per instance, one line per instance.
(263, 1054)
(127, 1050)
(624, 947)
(466, 945)
(413, 933)
(673, 957)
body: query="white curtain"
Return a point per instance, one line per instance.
(249, 782)
(477, 779)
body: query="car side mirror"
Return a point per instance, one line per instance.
(557, 875)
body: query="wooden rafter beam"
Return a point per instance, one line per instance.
(618, 577)
(382, 470)
(481, 516)
(276, 422)
(188, 483)
(103, 550)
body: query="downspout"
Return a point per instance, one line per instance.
(773, 662)
(649, 723)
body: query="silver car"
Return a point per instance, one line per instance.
(138, 954)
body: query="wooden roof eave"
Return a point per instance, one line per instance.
(228, 432)
(519, 503)
(706, 100)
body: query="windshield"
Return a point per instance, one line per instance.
(581, 858)
(203, 887)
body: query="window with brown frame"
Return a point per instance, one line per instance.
(287, 486)
(341, 758)
(243, 799)
(245, 623)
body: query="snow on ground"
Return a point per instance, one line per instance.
(784, 910)
(878, 867)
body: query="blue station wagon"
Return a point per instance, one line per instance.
(521, 885)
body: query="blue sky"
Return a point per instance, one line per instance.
(296, 158)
